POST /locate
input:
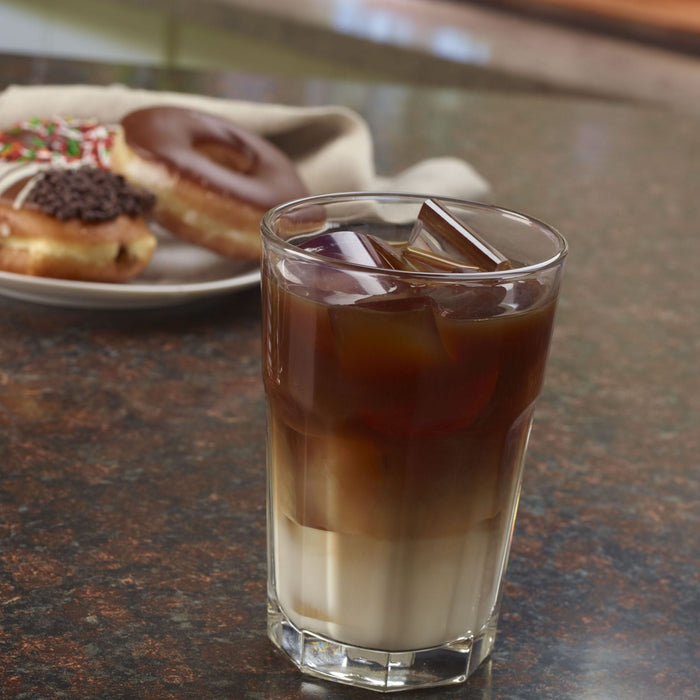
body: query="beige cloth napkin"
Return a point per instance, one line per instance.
(331, 146)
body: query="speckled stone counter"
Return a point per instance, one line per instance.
(132, 516)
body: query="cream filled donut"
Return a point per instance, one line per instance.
(213, 180)
(78, 223)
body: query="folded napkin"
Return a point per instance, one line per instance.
(331, 146)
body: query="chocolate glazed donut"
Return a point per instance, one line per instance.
(213, 180)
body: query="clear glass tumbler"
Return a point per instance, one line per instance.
(401, 380)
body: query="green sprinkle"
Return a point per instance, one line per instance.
(73, 147)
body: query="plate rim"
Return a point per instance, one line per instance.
(62, 292)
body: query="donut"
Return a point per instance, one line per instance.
(213, 180)
(79, 223)
(58, 140)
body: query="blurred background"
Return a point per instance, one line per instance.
(645, 50)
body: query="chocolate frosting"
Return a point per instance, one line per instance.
(214, 154)
(87, 193)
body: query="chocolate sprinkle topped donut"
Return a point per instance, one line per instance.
(89, 194)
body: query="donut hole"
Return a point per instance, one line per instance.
(238, 158)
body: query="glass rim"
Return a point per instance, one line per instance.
(268, 233)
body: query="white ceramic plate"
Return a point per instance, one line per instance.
(178, 273)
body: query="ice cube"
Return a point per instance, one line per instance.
(327, 282)
(394, 254)
(388, 340)
(438, 232)
(469, 301)
(349, 246)
(527, 293)
(428, 261)
(333, 481)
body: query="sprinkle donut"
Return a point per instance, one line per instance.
(213, 180)
(59, 140)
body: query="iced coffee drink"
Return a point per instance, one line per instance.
(401, 379)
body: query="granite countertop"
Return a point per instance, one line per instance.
(132, 515)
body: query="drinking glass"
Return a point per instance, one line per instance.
(401, 380)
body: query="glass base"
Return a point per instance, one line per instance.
(383, 671)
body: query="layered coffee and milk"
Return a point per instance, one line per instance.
(399, 412)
